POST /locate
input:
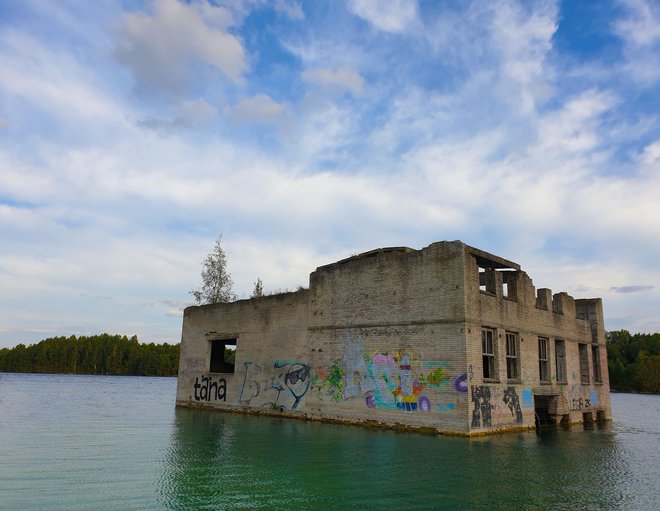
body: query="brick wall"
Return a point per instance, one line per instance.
(394, 337)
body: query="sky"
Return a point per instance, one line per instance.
(134, 133)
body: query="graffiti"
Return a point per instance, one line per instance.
(577, 400)
(424, 404)
(357, 380)
(461, 383)
(527, 399)
(512, 402)
(593, 396)
(384, 370)
(481, 416)
(384, 380)
(241, 400)
(497, 406)
(194, 364)
(445, 407)
(285, 388)
(471, 372)
(580, 403)
(408, 389)
(332, 383)
(210, 390)
(297, 381)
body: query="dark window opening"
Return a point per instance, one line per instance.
(595, 355)
(223, 356)
(509, 285)
(487, 282)
(544, 366)
(560, 359)
(584, 363)
(512, 360)
(488, 354)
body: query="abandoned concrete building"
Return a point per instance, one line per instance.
(448, 338)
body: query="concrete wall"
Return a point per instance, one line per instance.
(393, 337)
(271, 369)
(501, 403)
(388, 339)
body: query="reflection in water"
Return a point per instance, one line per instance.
(107, 443)
(226, 461)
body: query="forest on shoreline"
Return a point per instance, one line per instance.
(97, 354)
(633, 359)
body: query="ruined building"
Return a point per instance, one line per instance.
(447, 338)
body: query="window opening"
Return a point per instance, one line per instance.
(487, 280)
(544, 368)
(512, 360)
(488, 354)
(584, 363)
(223, 356)
(560, 360)
(509, 285)
(595, 355)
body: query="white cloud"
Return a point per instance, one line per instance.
(52, 80)
(651, 154)
(345, 78)
(493, 142)
(196, 114)
(642, 28)
(160, 48)
(290, 8)
(260, 108)
(395, 16)
(640, 32)
(523, 38)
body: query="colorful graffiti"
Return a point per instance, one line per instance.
(527, 399)
(385, 380)
(461, 383)
(495, 406)
(283, 386)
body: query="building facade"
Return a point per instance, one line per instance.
(448, 339)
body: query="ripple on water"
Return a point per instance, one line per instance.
(118, 443)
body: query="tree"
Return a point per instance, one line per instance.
(258, 289)
(216, 281)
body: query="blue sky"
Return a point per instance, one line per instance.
(133, 133)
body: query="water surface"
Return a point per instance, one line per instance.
(99, 442)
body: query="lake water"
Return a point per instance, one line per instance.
(103, 442)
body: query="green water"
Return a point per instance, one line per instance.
(118, 443)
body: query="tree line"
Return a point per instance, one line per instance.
(634, 361)
(97, 354)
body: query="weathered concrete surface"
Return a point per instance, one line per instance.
(393, 338)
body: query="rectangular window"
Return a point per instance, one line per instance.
(223, 356)
(512, 359)
(488, 352)
(487, 280)
(544, 366)
(584, 363)
(595, 355)
(560, 360)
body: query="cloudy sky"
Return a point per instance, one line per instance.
(133, 133)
